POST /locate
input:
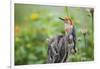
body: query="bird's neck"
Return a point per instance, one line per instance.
(68, 28)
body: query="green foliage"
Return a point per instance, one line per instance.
(34, 24)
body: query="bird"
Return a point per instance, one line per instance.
(60, 46)
(70, 28)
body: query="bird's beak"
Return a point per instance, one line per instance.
(61, 18)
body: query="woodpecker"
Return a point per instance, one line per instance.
(60, 46)
(70, 29)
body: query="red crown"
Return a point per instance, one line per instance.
(67, 18)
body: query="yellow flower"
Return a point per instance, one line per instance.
(34, 16)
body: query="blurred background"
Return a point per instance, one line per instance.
(35, 24)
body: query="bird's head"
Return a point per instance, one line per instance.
(68, 23)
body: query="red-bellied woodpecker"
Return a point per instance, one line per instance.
(60, 46)
(70, 29)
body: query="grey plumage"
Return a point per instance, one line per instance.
(59, 47)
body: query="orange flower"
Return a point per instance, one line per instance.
(17, 29)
